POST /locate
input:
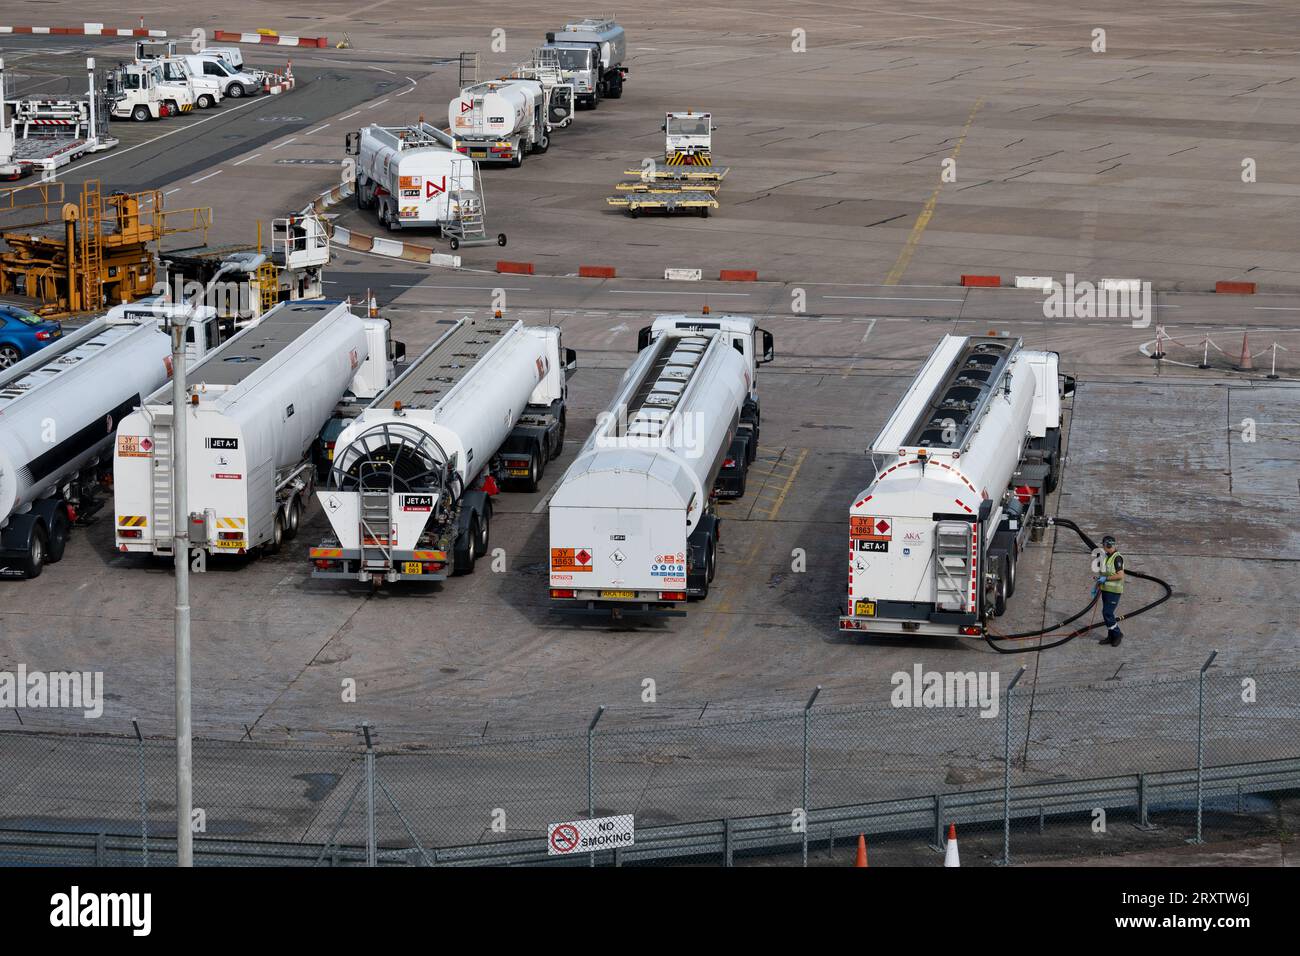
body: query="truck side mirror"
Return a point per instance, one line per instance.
(396, 350)
(570, 361)
(1067, 386)
(352, 144)
(643, 338)
(769, 348)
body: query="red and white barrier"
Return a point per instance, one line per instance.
(86, 30)
(273, 39)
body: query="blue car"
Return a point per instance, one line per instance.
(22, 333)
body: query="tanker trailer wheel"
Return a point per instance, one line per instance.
(58, 535)
(1011, 573)
(35, 560)
(534, 472)
(485, 531)
(1000, 588)
(501, 238)
(711, 559)
(464, 557)
(294, 521)
(277, 536)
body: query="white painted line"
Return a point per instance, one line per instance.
(291, 139)
(1277, 308)
(350, 115)
(868, 332)
(887, 298)
(476, 288)
(170, 191)
(316, 130)
(404, 92)
(225, 111)
(246, 159)
(194, 182)
(675, 292)
(380, 103)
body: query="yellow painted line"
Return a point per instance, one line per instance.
(785, 490)
(914, 239)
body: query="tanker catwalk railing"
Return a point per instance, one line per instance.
(1049, 772)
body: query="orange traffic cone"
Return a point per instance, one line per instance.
(862, 850)
(1246, 362)
(950, 857)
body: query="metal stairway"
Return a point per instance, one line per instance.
(952, 565)
(164, 502)
(375, 513)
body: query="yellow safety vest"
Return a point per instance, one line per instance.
(1115, 587)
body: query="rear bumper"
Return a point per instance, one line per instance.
(618, 608)
(351, 565)
(968, 626)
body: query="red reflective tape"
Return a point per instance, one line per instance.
(596, 272)
(515, 268)
(738, 275)
(987, 281)
(1235, 288)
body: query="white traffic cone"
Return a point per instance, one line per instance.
(950, 857)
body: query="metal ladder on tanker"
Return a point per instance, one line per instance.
(952, 565)
(469, 228)
(375, 514)
(164, 500)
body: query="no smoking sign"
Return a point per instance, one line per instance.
(587, 836)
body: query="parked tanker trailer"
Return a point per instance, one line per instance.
(501, 121)
(58, 411)
(257, 407)
(409, 493)
(414, 178)
(963, 467)
(633, 523)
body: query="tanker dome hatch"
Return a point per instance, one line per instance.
(413, 459)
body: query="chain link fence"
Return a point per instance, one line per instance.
(1028, 767)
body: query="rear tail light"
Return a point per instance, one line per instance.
(323, 565)
(42, 336)
(971, 631)
(561, 593)
(230, 535)
(729, 463)
(432, 566)
(672, 595)
(130, 533)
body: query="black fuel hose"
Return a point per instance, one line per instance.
(1091, 545)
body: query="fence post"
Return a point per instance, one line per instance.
(591, 770)
(726, 842)
(1006, 772)
(372, 852)
(144, 805)
(1200, 741)
(807, 710)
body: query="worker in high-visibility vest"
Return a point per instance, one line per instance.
(1110, 581)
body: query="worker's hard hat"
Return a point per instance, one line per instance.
(1108, 541)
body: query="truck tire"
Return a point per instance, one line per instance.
(205, 102)
(294, 518)
(1000, 588)
(518, 159)
(485, 531)
(463, 558)
(34, 562)
(58, 535)
(543, 144)
(534, 478)
(711, 559)
(559, 435)
(595, 97)
(141, 113)
(277, 536)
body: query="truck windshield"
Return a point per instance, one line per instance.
(688, 126)
(575, 59)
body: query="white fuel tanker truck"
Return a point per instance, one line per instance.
(256, 409)
(962, 469)
(415, 179)
(592, 55)
(633, 523)
(501, 121)
(58, 411)
(409, 493)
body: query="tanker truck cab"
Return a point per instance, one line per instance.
(758, 348)
(601, 72)
(963, 468)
